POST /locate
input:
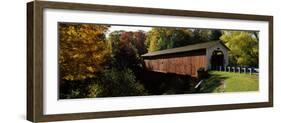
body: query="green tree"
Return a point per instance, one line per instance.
(215, 34)
(202, 35)
(199, 35)
(164, 38)
(243, 47)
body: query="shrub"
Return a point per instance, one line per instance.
(95, 90)
(70, 89)
(117, 82)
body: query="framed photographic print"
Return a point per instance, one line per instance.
(97, 61)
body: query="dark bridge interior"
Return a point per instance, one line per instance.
(217, 59)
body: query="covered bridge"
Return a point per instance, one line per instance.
(188, 59)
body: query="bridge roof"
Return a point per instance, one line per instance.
(191, 47)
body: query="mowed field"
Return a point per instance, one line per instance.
(230, 82)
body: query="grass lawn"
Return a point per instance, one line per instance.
(229, 82)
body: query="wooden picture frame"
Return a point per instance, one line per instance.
(35, 62)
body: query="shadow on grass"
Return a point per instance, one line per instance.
(211, 84)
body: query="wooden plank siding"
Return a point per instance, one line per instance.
(181, 63)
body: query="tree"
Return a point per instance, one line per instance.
(82, 50)
(202, 35)
(152, 39)
(215, 34)
(199, 35)
(164, 38)
(127, 48)
(243, 47)
(139, 42)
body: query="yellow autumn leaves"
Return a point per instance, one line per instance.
(82, 50)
